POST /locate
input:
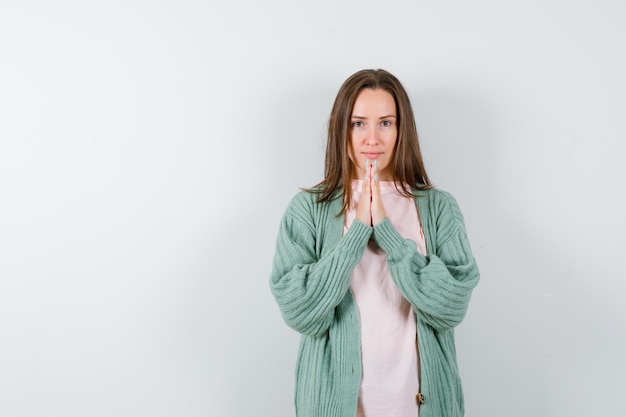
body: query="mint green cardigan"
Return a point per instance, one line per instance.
(310, 281)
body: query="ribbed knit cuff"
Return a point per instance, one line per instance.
(357, 236)
(389, 240)
(388, 237)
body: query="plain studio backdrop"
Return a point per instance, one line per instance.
(149, 148)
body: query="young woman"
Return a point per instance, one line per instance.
(373, 268)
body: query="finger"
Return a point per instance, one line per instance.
(375, 186)
(364, 210)
(368, 177)
(375, 183)
(378, 210)
(366, 190)
(366, 180)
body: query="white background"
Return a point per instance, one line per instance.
(149, 148)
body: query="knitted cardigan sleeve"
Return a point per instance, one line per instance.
(307, 286)
(438, 285)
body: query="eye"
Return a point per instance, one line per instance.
(386, 123)
(357, 123)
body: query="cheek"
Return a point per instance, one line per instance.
(391, 150)
(353, 143)
(390, 143)
(351, 155)
(350, 150)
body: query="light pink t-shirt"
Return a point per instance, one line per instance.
(388, 330)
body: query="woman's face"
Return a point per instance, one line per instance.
(373, 132)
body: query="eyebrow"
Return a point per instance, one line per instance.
(383, 117)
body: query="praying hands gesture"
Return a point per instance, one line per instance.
(370, 210)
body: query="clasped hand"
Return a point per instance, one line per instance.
(370, 209)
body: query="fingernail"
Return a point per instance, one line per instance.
(375, 164)
(376, 177)
(367, 164)
(367, 178)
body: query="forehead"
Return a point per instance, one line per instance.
(370, 103)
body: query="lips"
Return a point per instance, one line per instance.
(372, 155)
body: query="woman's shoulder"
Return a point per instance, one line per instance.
(439, 201)
(432, 193)
(306, 213)
(311, 197)
(305, 204)
(304, 198)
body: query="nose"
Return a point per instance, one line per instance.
(371, 138)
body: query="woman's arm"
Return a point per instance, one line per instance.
(438, 286)
(308, 289)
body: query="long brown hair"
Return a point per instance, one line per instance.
(408, 167)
